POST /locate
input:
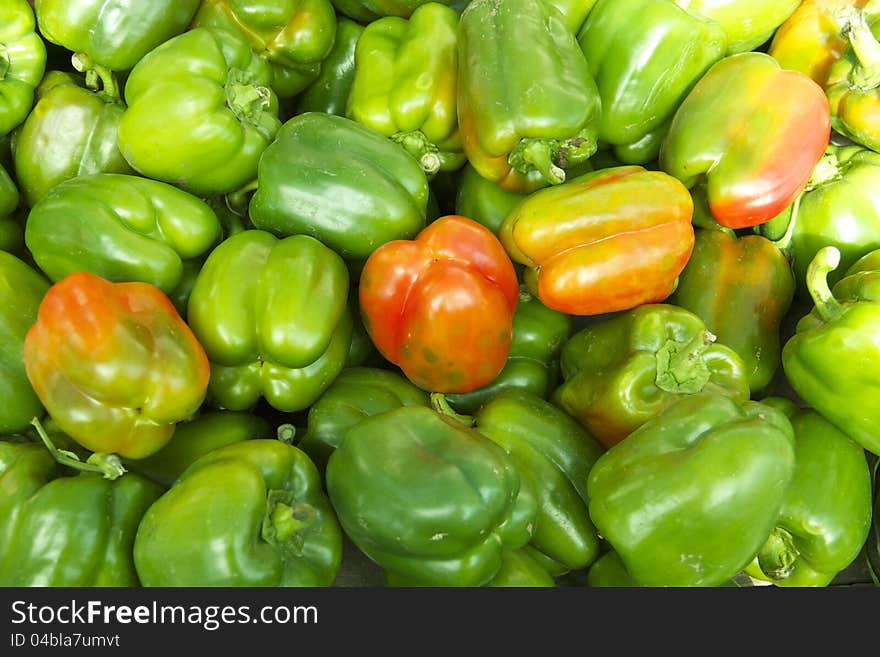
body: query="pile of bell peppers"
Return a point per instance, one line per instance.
(486, 293)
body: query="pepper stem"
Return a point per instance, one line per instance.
(778, 556)
(866, 75)
(417, 144)
(440, 404)
(249, 102)
(97, 76)
(825, 261)
(285, 521)
(286, 433)
(680, 366)
(550, 157)
(107, 465)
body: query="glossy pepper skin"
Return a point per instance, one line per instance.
(620, 372)
(71, 132)
(22, 63)
(483, 200)
(356, 394)
(519, 569)
(294, 36)
(644, 69)
(575, 12)
(366, 11)
(523, 120)
(114, 364)
(340, 182)
(853, 84)
(22, 288)
(329, 91)
(441, 306)
(200, 112)
(553, 455)
(690, 497)
(748, 180)
(741, 287)
(66, 531)
(840, 207)
(195, 437)
(254, 513)
(115, 34)
(841, 328)
(266, 338)
(11, 234)
(404, 87)
(428, 498)
(748, 23)
(122, 228)
(826, 513)
(538, 333)
(606, 241)
(812, 39)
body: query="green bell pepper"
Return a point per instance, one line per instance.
(690, 497)
(366, 11)
(11, 234)
(200, 112)
(872, 545)
(646, 56)
(483, 200)
(427, 498)
(741, 287)
(340, 182)
(840, 207)
(207, 431)
(252, 513)
(356, 394)
(609, 571)
(293, 36)
(22, 63)
(114, 34)
(67, 531)
(71, 132)
(833, 358)
(122, 228)
(748, 23)
(329, 91)
(826, 512)
(21, 291)
(520, 570)
(553, 455)
(264, 337)
(575, 12)
(538, 334)
(404, 87)
(528, 107)
(622, 371)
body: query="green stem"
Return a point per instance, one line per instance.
(249, 102)
(779, 555)
(420, 147)
(681, 368)
(285, 520)
(107, 465)
(866, 74)
(538, 155)
(825, 261)
(286, 433)
(97, 77)
(441, 405)
(237, 201)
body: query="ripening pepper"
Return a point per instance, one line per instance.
(853, 84)
(11, 233)
(293, 36)
(21, 290)
(69, 531)
(114, 364)
(812, 39)
(748, 23)
(690, 497)
(752, 174)
(266, 337)
(340, 182)
(841, 328)
(405, 81)
(645, 55)
(528, 107)
(840, 207)
(427, 498)
(441, 306)
(71, 132)
(741, 287)
(537, 336)
(122, 228)
(254, 513)
(606, 241)
(826, 512)
(329, 91)
(200, 112)
(366, 11)
(357, 393)
(620, 372)
(115, 34)
(22, 63)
